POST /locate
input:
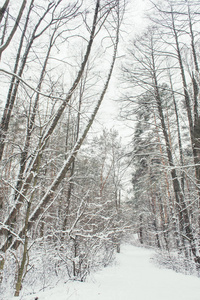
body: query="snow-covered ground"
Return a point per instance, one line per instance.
(132, 277)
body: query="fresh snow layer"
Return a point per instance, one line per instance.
(132, 277)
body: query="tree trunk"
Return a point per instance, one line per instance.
(42, 144)
(181, 207)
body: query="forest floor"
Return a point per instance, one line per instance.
(133, 276)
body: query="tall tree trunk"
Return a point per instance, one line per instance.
(31, 122)
(193, 123)
(183, 215)
(31, 169)
(178, 133)
(13, 87)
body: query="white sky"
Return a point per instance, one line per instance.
(108, 115)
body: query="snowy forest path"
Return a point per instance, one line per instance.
(132, 277)
(135, 277)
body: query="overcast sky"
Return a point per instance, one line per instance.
(108, 116)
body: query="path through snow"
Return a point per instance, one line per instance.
(133, 277)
